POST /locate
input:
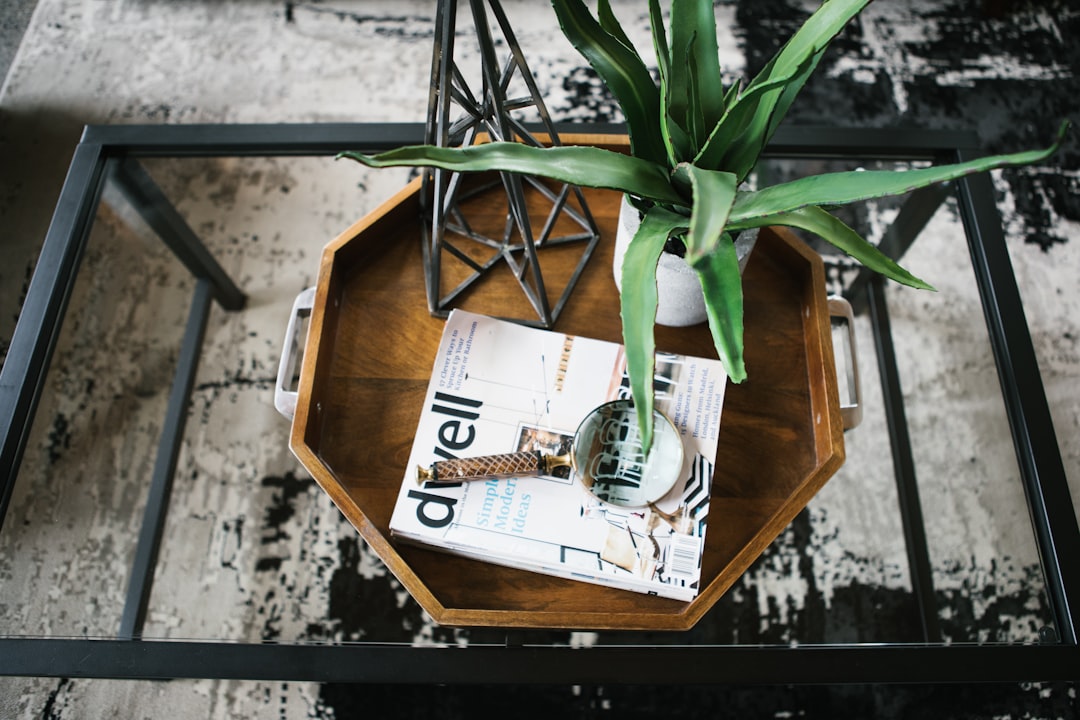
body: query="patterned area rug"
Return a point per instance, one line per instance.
(255, 551)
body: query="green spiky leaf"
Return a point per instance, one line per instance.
(587, 166)
(796, 61)
(622, 70)
(609, 22)
(639, 299)
(737, 126)
(714, 194)
(696, 66)
(676, 141)
(719, 275)
(841, 188)
(833, 230)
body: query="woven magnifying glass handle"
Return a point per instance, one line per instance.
(487, 467)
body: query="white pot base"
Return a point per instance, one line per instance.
(680, 299)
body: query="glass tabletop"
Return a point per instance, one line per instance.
(253, 552)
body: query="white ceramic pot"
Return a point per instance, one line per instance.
(680, 299)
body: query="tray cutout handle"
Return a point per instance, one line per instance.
(851, 407)
(288, 375)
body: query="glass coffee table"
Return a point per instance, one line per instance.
(911, 423)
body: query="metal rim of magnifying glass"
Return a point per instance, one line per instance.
(663, 429)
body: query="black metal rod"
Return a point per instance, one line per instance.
(330, 138)
(375, 663)
(907, 487)
(1041, 469)
(866, 143)
(141, 579)
(150, 202)
(40, 319)
(263, 140)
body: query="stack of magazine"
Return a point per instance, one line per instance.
(499, 387)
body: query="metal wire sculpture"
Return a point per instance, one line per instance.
(449, 235)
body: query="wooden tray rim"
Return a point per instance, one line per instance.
(824, 398)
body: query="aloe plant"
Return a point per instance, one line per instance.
(693, 142)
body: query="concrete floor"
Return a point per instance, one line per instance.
(14, 17)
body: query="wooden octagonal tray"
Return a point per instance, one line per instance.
(369, 353)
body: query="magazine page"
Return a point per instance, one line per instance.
(499, 387)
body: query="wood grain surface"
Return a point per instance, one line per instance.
(369, 354)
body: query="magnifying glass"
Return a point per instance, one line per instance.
(606, 456)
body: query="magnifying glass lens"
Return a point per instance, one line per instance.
(611, 462)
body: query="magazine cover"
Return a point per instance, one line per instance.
(498, 387)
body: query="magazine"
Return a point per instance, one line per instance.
(499, 387)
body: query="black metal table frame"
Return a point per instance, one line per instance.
(112, 152)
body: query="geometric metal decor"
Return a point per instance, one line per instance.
(539, 214)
